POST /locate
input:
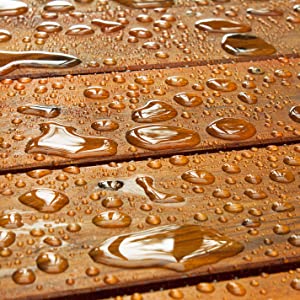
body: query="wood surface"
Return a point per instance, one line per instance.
(247, 190)
(263, 246)
(180, 45)
(267, 286)
(270, 115)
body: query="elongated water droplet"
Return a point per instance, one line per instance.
(108, 26)
(40, 110)
(112, 219)
(147, 183)
(146, 3)
(175, 247)
(222, 26)
(200, 177)
(159, 137)
(80, 29)
(62, 141)
(10, 61)
(12, 8)
(188, 99)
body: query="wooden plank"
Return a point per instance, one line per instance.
(263, 216)
(65, 104)
(274, 286)
(176, 40)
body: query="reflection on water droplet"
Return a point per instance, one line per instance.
(112, 219)
(246, 45)
(295, 113)
(11, 61)
(108, 26)
(49, 27)
(80, 30)
(247, 97)
(282, 176)
(23, 276)
(44, 200)
(222, 26)
(5, 35)
(11, 220)
(154, 111)
(294, 240)
(112, 185)
(264, 12)
(12, 8)
(52, 263)
(231, 129)
(174, 247)
(221, 85)
(147, 183)
(200, 177)
(59, 6)
(159, 137)
(141, 33)
(188, 99)
(176, 81)
(40, 110)
(62, 141)
(7, 238)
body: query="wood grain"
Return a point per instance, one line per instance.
(263, 246)
(274, 286)
(179, 45)
(270, 115)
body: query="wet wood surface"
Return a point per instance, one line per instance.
(168, 37)
(274, 286)
(263, 216)
(79, 102)
(91, 208)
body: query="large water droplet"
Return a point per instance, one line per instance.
(40, 110)
(221, 85)
(44, 200)
(231, 129)
(52, 263)
(12, 8)
(154, 111)
(62, 141)
(159, 137)
(222, 25)
(174, 247)
(7, 238)
(23, 276)
(188, 99)
(112, 219)
(11, 61)
(282, 176)
(200, 177)
(108, 26)
(246, 45)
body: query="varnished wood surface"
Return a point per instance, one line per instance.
(275, 94)
(275, 286)
(180, 44)
(263, 247)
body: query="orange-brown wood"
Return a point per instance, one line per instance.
(268, 228)
(177, 42)
(274, 93)
(275, 286)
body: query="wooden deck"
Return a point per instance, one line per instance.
(144, 160)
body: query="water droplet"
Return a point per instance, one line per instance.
(294, 240)
(246, 45)
(146, 3)
(44, 200)
(295, 113)
(141, 33)
(5, 35)
(295, 284)
(7, 238)
(44, 111)
(23, 276)
(236, 289)
(108, 26)
(112, 185)
(59, 6)
(112, 219)
(281, 229)
(105, 125)
(176, 81)
(255, 194)
(264, 12)
(188, 99)
(96, 92)
(13, 8)
(283, 207)
(231, 169)
(112, 202)
(11, 61)
(154, 111)
(179, 160)
(80, 30)
(200, 177)
(62, 141)
(253, 179)
(147, 183)
(222, 26)
(159, 137)
(39, 173)
(231, 129)
(233, 207)
(52, 263)
(282, 176)
(53, 241)
(205, 287)
(11, 221)
(49, 27)
(192, 246)
(247, 97)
